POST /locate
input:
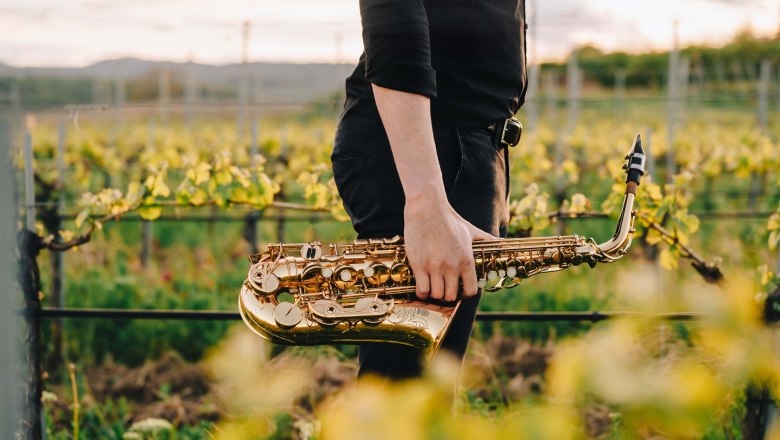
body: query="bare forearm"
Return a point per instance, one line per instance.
(438, 239)
(407, 121)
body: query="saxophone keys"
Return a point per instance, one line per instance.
(377, 274)
(345, 277)
(313, 279)
(400, 273)
(287, 315)
(493, 281)
(270, 284)
(522, 272)
(261, 281)
(372, 310)
(311, 252)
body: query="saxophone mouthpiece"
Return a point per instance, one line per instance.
(635, 165)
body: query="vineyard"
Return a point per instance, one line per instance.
(151, 209)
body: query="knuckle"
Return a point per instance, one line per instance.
(448, 263)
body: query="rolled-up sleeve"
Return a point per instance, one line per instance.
(397, 46)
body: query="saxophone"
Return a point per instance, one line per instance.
(294, 294)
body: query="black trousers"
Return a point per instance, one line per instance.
(476, 179)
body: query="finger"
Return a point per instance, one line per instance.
(479, 234)
(437, 286)
(423, 284)
(451, 286)
(469, 277)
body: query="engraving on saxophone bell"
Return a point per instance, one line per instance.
(365, 291)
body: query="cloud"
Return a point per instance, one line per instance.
(75, 32)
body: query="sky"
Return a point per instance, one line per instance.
(80, 32)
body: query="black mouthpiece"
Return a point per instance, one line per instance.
(635, 162)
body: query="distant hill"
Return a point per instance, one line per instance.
(270, 82)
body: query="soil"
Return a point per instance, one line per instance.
(509, 370)
(169, 388)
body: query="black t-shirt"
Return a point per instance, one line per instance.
(468, 56)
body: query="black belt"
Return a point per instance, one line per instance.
(506, 132)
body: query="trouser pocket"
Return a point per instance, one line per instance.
(479, 193)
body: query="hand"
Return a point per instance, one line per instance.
(438, 246)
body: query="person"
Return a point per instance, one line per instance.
(421, 147)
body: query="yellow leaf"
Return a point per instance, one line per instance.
(224, 177)
(667, 259)
(150, 212)
(200, 174)
(81, 217)
(774, 222)
(198, 197)
(653, 237)
(774, 238)
(653, 191)
(766, 275)
(66, 235)
(578, 203)
(160, 188)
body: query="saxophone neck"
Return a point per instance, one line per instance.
(634, 167)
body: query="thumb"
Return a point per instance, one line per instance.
(479, 234)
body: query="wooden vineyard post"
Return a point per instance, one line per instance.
(29, 244)
(758, 179)
(672, 104)
(146, 226)
(250, 221)
(9, 346)
(250, 230)
(284, 161)
(56, 258)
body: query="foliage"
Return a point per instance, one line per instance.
(652, 378)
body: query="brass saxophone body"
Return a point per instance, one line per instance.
(297, 294)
